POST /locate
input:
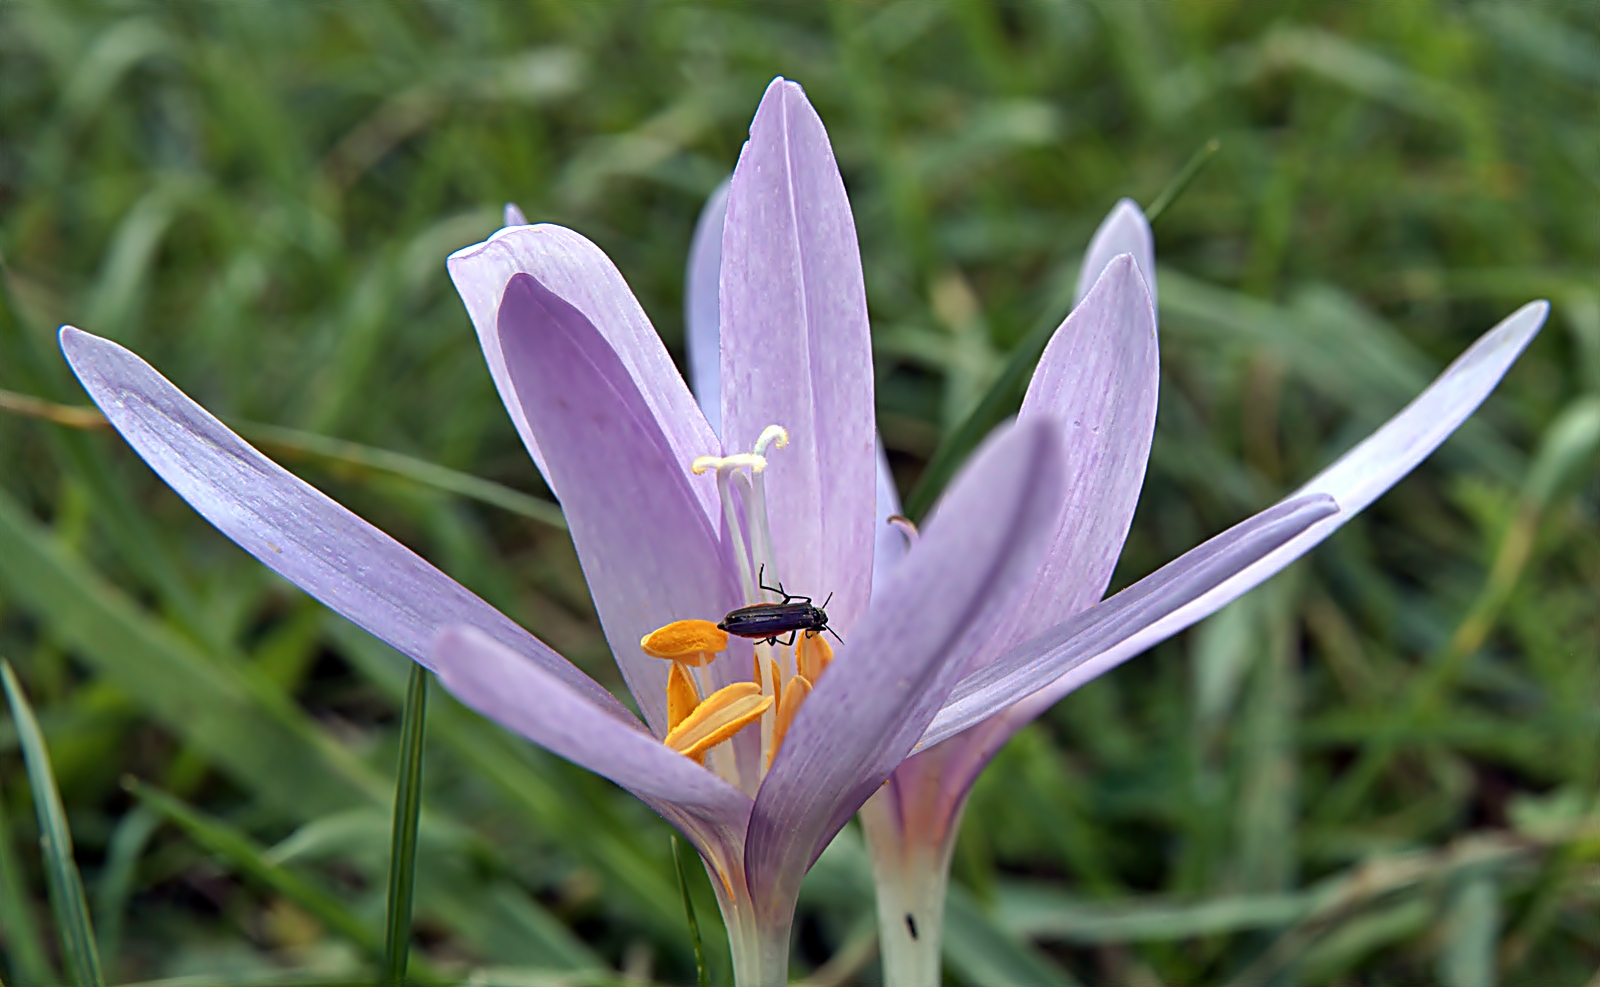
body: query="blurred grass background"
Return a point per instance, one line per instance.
(1382, 768)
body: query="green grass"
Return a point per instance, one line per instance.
(1383, 768)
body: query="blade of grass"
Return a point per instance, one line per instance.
(702, 975)
(980, 952)
(117, 876)
(244, 855)
(24, 949)
(407, 813)
(55, 840)
(1180, 182)
(300, 443)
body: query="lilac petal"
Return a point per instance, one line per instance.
(526, 699)
(1355, 480)
(796, 351)
(1098, 378)
(893, 673)
(293, 528)
(703, 335)
(1124, 231)
(1086, 647)
(1125, 620)
(649, 553)
(514, 216)
(582, 275)
(889, 542)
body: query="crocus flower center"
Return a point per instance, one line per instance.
(783, 670)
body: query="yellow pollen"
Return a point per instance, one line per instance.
(795, 692)
(813, 653)
(691, 642)
(722, 714)
(682, 696)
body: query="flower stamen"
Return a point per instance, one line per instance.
(795, 692)
(686, 642)
(682, 696)
(722, 714)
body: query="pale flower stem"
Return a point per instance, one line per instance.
(760, 948)
(911, 876)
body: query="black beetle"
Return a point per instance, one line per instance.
(768, 621)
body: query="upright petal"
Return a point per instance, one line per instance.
(1099, 379)
(294, 529)
(649, 553)
(703, 334)
(1124, 231)
(579, 273)
(796, 351)
(512, 215)
(865, 714)
(524, 698)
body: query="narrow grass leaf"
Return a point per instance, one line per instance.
(980, 952)
(117, 877)
(1471, 932)
(1187, 174)
(407, 814)
(25, 952)
(67, 899)
(702, 975)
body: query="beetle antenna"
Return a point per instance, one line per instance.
(835, 634)
(825, 602)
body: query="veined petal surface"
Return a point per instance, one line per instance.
(893, 673)
(649, 553)
(290, 526)
(580, 273)
(796, 351)
(524, 698)
(1098, 378)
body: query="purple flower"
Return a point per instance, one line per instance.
(1098, 379)
(758, 752)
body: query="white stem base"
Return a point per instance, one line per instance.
(911, 877)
